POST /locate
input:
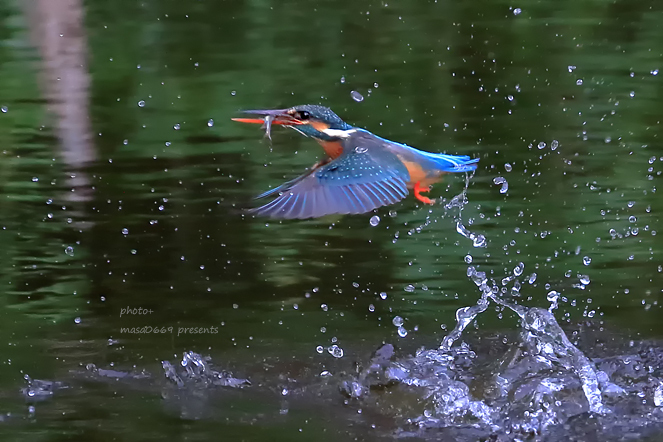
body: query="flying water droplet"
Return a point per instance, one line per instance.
(584, 279)
(397, 321)
(210, 123)
(375, 220)
(554, 145)
(468, 259)
(586, 260)
(501, 180)
(402, 332)
(69, 251)
(177, 126)
(342, 79)
(542, 145)
(335, 351)
(125, 231)
(357, 96)
(553, 298)
(517, 11)
(479, 241)
(462, 230)
(579, 82)
(518, 270)
(508, 167)
(409, 288)
(4, 109)
(653, 72)
(141, 103)
(77, 320)
(383, 295)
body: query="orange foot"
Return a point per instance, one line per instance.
(417, 194)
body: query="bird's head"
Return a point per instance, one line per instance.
(309, 119)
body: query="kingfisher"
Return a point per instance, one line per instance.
(359, 173)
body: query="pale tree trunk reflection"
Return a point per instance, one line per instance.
(57, 29)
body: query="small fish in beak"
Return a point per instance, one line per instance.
(267, 125)
(269, 118)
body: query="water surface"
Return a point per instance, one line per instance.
(122, 182)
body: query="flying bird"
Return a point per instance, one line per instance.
(360, 172)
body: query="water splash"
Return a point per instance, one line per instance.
(460, 201)
(541, 332)
(195, 369)
(547, 339)
(464, 316)
(39, 390)
(540, 381)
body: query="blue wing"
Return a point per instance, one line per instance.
(358, 181)
(285, 186)
(288, 184)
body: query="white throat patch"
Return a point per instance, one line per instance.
(339, 133)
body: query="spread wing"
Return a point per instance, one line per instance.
(283, 187)
(358, 181)
(288, 184)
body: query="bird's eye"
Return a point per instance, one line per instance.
(303, 115)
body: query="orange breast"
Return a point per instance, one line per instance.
(332, 148)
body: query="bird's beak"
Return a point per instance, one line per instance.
(274, 116)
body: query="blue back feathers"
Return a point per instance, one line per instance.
(438, 161)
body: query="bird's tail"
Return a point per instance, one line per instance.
(455, 163)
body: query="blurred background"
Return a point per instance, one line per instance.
(122, 181)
